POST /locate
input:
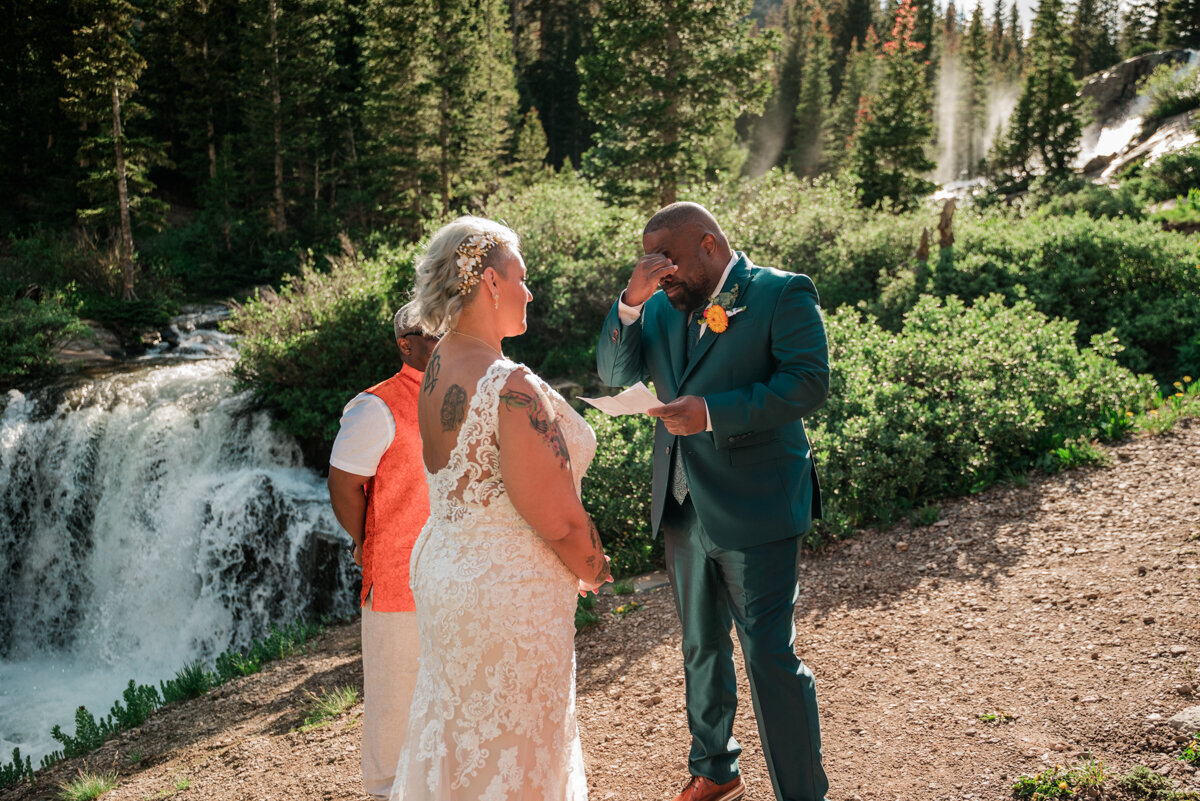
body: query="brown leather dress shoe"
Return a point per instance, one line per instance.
(699, 788)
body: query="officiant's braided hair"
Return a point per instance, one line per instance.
(449, 272)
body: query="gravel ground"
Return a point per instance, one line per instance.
(1067, 608)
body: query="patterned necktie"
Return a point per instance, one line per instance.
(693, 332)
(679, 485)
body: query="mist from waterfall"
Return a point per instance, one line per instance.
(148, 518)
(952, 151)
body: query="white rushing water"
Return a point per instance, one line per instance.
(148, 517)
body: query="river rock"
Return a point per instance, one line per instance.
(97, 346)
(1187, 720)
(1113, 89)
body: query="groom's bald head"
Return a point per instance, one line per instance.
(685, 215)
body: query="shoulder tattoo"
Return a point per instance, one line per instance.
(539, 418)
(454, 407)
(431, 373)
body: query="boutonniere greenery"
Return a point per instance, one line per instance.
(720, 309)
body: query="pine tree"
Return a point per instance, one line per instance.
(38, 139)
(101, 77)
(1093, 38)
(399, 108)
(664, 85)
(1139, 28)
(774, 131)
(973, 96)
(1045, 127)
(549, 78)
(529, 154)
(1181, 24)
(809, 154)
(1016, 41)
(858, 82)
(999, 41)
(895, 128)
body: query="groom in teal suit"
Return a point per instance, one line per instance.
(738, 355)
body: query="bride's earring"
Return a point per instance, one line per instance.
(496, 300)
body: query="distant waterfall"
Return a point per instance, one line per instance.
(148, 517)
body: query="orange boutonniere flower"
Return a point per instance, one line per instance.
(716, 318)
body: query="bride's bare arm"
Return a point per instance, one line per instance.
(536, 467)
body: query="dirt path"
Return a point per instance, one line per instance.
(1070, 604)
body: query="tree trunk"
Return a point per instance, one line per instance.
(125, 246)
(278, 218)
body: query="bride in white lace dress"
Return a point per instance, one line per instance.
(508, 545)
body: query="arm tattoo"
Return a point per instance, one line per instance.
(454, 407)
(431, 373)
(539, 418)
(602, 573)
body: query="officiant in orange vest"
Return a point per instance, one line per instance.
(378, 492)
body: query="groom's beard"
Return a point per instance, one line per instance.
(685, 296)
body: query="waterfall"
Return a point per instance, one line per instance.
(149, 516)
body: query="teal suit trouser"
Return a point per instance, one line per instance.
(756, 590)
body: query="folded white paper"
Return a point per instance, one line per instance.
(635, 400)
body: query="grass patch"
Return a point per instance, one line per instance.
(327, 706)
(1143, 784)
(1085, 780)
(998, 716)
(585, 614)
(87, 786)
(622, 587)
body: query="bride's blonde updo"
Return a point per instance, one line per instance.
(449, 272)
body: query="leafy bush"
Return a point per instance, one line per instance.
(31, 331)
(13, 772)
(325, 337)
(191, 681)
(1128, 276)
(1172, 90)
(1171, 175)
(616, 491)
(580, 254)
(1082, 781)
(1186, 210)
(958, 398)
(140, 701)
(1093, 200)
(90, 734)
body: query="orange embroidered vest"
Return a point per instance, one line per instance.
(397, 500)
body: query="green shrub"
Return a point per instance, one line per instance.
(325, 337)
(1093, 200)
(616, 491)
(90, 734)
(1186, 210)
(580, 254)
(584, 612)
(31, 332)
(1172, 90)
(140, 701)
(958, 398)
(1127, 276)
(1171, 175)
(13, 772)
(191, 681)
(1060, 782)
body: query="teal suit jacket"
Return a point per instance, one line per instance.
(752, 478)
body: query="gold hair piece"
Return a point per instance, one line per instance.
(470, 259)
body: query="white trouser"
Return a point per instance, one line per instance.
(389, 652)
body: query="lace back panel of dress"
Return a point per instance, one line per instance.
(471, 478)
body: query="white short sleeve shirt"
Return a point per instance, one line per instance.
(367, 432)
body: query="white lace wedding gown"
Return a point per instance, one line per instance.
(493, 713)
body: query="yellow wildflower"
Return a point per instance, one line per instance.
(1177, 385)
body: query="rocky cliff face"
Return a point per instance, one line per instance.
(1118, 136)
